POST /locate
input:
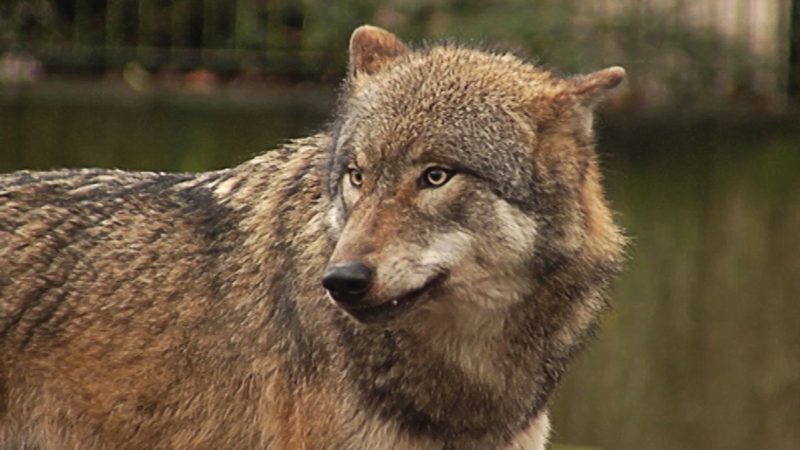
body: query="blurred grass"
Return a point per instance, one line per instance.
(556, 446)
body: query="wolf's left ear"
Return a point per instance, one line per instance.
(591, 88)
(371, 49)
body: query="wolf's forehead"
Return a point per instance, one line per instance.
(419, 127)
(432, 138)
(460, 97)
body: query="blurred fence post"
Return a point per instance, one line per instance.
(209, 23)
(114, 35)
(81, 23)
(144, 26)
(794, 52)
(733, 48)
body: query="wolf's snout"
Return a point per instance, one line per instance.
(347, 282)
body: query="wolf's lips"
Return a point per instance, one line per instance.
(392, 308)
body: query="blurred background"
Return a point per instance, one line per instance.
(701, 148)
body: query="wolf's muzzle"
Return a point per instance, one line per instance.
(347, 282)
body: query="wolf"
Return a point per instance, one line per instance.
(417, 276)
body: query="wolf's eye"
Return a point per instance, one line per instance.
(434, 177)
(355, 176)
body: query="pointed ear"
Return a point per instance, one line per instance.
(371, 49)
(591, 88)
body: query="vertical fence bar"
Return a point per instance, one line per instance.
(82, 35)
(209, 32)
(209, 23)
(81, 23)
(781, 35)
(246, 25)
(144, 29)
(112, 17)
(240, 18)
(174, 25)
(178, 15)
(793, 88)
(113, 30)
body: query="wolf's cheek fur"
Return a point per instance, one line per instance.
(498, 271)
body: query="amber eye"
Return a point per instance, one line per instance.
(435, 176)
(355, 176)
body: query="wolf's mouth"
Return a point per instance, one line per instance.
(395, 307)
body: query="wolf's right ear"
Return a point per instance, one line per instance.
(591, 88)
(371, 49)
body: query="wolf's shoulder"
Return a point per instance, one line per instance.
(55, 199)
(102, 196)
(73, 186)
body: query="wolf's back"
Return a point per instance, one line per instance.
(76, 239)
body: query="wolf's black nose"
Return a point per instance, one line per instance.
(347, 282)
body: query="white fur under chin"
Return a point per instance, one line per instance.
(535, 436)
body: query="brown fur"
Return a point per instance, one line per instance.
(145, 310)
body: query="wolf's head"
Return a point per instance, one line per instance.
(462, 179)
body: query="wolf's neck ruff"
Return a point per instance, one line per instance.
(408, 382)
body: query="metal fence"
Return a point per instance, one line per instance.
(222, 35)
(717, 47)
(750, 40)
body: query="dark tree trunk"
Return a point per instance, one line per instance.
(794, 51)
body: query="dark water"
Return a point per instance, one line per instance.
(95, 125)
(702, 349)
